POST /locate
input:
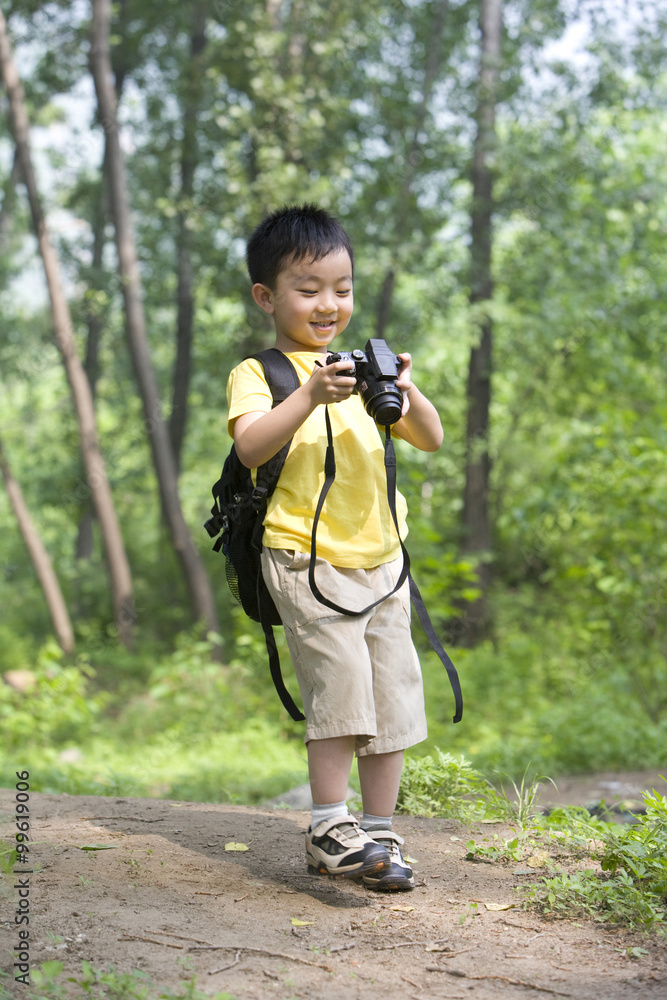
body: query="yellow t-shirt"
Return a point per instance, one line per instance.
(355, 529)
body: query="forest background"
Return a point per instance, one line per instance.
(506, 194)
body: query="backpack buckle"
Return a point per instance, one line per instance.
(258, 497)
(216, 524)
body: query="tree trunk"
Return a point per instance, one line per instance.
(184, 294)
(163, 457)
(384, 302)
(40, 559)
(476, 526)
(96, 476)
(84, 540)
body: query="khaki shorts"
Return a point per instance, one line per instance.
(357, 676)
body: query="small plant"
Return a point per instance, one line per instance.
(631, 886)
(522, 808)
(110, 985)
(588, 893)
(499, 849)
(472, 910)
(627, 886)
(447, 786)
(8, 856)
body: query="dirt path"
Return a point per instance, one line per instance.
(168, 890)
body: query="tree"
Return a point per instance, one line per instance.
(135, 325)
(40, 559)
(185, 302)
(97, 480)
(476, 523)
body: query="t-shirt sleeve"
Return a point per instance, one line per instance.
(247, 392)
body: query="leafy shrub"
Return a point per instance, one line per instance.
(446, 786)
(57, 708)
(631, 886)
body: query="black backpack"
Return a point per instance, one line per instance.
(238, 512)
(237, 516)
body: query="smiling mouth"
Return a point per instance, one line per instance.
(324, 323)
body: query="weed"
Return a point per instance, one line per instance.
(615, 900)
(523, 809)
(110, 985)
(447, 786)
(472, 910)
(501, 849)
(631, 887)
(8, 856)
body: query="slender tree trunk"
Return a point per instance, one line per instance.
(184, 294)
(163, 457)
(412, 160)
(84, 541)
(97, 480)
(476, 525)
(40, 559)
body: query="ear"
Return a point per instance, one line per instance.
(263, 296)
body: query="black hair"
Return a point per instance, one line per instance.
(294, 232)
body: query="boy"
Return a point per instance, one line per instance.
(359, 678)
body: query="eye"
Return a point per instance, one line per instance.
(344, 291)
(307, 291)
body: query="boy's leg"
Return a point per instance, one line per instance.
(335, 843)
(329, 764)
(379, 777)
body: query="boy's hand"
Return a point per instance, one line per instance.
(404, 380)
(327, 385)
(419, 424)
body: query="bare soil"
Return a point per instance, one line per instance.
(168, 890)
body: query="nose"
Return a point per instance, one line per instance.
(326, 302)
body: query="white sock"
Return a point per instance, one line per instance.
(330, 810)
(370, 822)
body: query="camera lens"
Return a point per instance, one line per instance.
(383, 403)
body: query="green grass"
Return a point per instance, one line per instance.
(248, 766)
(179, 725)
(48, 983)
(612, 873)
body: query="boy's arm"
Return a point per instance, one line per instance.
(420, 424)
(258, 436)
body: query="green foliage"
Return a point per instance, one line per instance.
(56, 707)
(109, 985)
(345, 107)
(586, 894)
(446, 786)
(628, 884)
(523, 806)
(641, 850)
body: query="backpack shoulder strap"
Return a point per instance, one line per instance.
(280, 373)
(282, 380)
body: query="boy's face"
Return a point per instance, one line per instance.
(311, 302)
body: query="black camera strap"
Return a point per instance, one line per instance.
(329, 476)
(417, 600)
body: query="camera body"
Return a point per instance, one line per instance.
(376, 371)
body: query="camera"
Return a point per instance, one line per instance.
(376, 370)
